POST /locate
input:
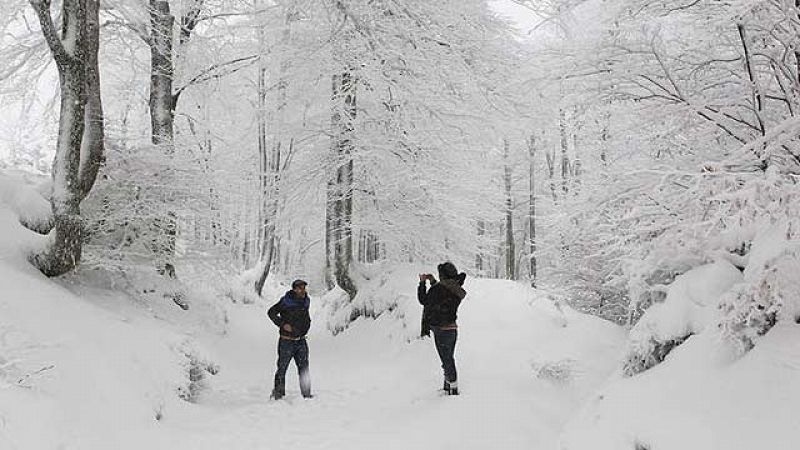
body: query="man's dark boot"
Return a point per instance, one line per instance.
(277, 394)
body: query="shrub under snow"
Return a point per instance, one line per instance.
(771, 291)
(688, 309)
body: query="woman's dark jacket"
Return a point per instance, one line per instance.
(293, 311)
(441, 301)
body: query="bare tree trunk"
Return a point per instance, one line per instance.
(162, 123)
(263, 155)
(162, 73)
(373, 248)
(532, 207)
(93, 143)
(75, 53)
(562, 126)
(271, 238)
(500, 253)
(510, 249)
(479, 262)
(796, 50)
(342, 121)
(604, 138)
(368, 247)
(550, 156)
(163, 102)
(330, 235)
(262, 279)
(362, 247)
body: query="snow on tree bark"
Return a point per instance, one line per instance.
(93, 143)
(341, 187)
(75, 53)
(510, 249)
(162, 122)
(532, 207)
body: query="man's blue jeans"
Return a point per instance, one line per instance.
(288, 349)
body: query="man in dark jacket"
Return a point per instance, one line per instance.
(291, 316)
(440, 310)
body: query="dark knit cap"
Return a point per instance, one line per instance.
(297, 283)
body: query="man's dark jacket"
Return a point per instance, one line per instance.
(293, 311)
(441, 301)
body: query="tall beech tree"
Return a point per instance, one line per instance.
(79, 148)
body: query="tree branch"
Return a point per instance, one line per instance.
(235, 14)
(208, 73)
(189, 21)
(754, 88)
(138, 29)
(42, 9)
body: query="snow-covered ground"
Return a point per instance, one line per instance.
(374, 390)
(94, 361)
(83, 367)
(110, 369)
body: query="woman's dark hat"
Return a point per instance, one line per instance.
(447, 270)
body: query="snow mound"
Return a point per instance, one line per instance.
(21, 194)
(690, 307)
(716, 366)
(700, 400)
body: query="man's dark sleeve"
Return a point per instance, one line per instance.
(422, 294)
(274, 314)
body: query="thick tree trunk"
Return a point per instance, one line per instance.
(75, 53)
(65, 250)
(162, 123)
(93, 144)
(162, 73)
(341, 188)
(532, 207)
(510, 250)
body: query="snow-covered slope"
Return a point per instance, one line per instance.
(72, 374)
(86, 367)
(710, 392)
(696, 402)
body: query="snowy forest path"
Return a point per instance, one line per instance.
(373, 390)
